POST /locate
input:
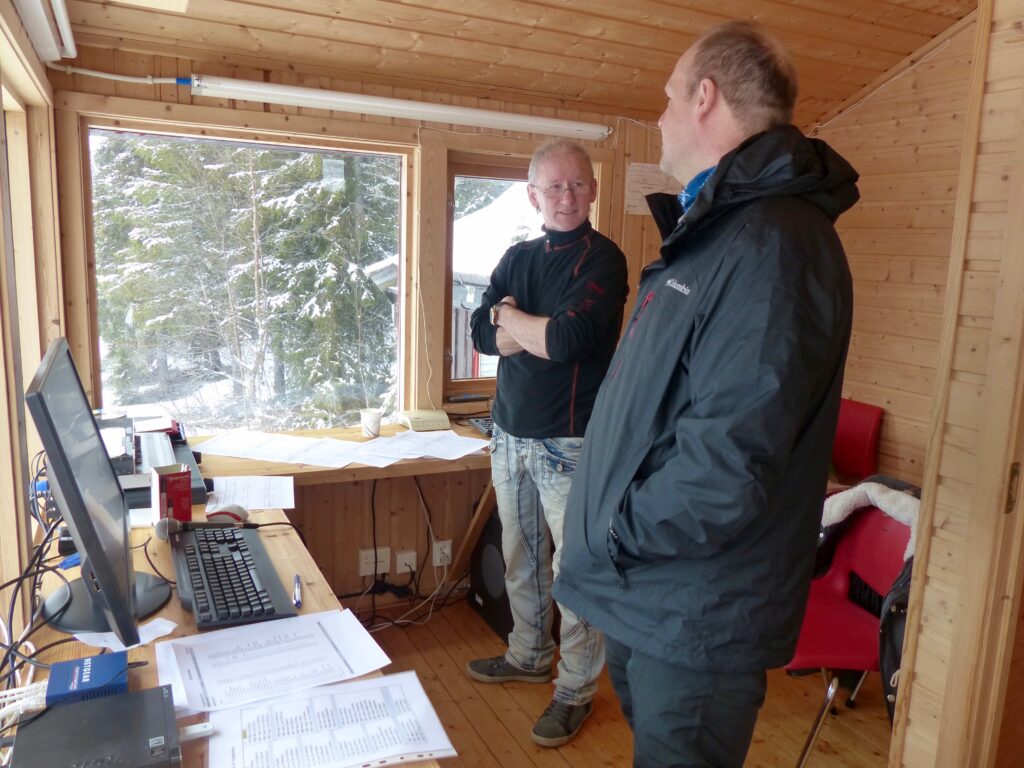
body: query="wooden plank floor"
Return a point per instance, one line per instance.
(489, 725)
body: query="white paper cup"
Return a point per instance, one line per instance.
(369, 419)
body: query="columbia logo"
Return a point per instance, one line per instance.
(683, 288)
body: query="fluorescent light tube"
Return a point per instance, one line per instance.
(298, 96)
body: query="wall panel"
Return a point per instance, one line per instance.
(904, 139)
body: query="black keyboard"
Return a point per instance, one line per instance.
(225, 577)
(485, 424)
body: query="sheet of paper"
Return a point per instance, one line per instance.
(167, 674)
(442, 444)
(243, 664)
(260, 492)
(381, 721)
(641, 180)
(148, 632)
(140, 517)
(329, 452)
(261, 446)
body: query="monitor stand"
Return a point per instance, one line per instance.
(84, 615)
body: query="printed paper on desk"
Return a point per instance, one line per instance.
(261, 446)
(380, 721)
(261, 492)
(271, 658)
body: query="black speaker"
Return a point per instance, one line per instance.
(487, 579)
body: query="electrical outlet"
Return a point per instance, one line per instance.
(366, 561)
(443, 552)
(405, 562)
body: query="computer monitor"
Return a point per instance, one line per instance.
(109, 596)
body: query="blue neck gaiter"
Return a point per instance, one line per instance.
(693, 188)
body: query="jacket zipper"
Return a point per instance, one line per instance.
(632, 327)
(615, 538)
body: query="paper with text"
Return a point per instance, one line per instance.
(271, 658)
(256, 492)
(381, 721)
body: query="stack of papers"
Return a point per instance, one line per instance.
(274, 695)
(329, 452)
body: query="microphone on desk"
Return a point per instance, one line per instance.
(168, 525)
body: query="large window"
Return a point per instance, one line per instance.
(243, 284)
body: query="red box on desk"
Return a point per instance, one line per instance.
(172, 492)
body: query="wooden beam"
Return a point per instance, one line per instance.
(476, 526)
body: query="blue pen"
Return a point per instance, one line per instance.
(297, 592)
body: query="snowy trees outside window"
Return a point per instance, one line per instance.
(245, 285)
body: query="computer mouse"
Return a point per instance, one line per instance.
(228, 512)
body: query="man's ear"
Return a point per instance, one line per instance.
(706, 97)
(531, 192)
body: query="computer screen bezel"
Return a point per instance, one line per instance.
(108, 573)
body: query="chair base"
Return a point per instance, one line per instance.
(819, 721)
(831, 689)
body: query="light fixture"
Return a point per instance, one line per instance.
(298, 96)
(48, 27)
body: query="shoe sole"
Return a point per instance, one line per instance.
(507, 678)
(558, 741)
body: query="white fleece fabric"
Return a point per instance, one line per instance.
(899, 505)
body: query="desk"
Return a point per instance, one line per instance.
(307, 474)
(289, 557)
(334, 507)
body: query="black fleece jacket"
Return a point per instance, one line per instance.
(578, 279)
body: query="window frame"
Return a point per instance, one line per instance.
(78, 113)
(475, 166)
(440, 152)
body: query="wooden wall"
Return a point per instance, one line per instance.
(904, 138)
(967, 578)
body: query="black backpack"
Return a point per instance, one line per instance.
(890, 635)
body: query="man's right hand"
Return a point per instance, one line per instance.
(507, 346)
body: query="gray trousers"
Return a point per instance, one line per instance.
(681, 717)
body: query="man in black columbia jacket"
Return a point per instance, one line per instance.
(691, 527)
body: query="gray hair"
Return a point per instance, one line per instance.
(752, 70)
(557, 147)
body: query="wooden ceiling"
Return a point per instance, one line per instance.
(594, 56)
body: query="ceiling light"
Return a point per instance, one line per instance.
(49, 28)
(297, 96)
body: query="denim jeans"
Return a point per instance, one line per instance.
(531, 480)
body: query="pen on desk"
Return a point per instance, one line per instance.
(297, 592)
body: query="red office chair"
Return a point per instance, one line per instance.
(837, 633)
(855, 450)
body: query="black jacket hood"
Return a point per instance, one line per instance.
(777, 163)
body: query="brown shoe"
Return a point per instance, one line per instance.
(500, 670)
(560, 722)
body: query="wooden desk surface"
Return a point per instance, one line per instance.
(289, 557)
(307, 474)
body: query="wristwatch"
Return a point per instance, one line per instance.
(494, 312)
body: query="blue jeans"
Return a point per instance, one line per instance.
(531, 482)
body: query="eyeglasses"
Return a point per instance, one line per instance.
(555, 191)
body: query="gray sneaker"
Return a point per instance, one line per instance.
(500, 670)
(560, 722)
